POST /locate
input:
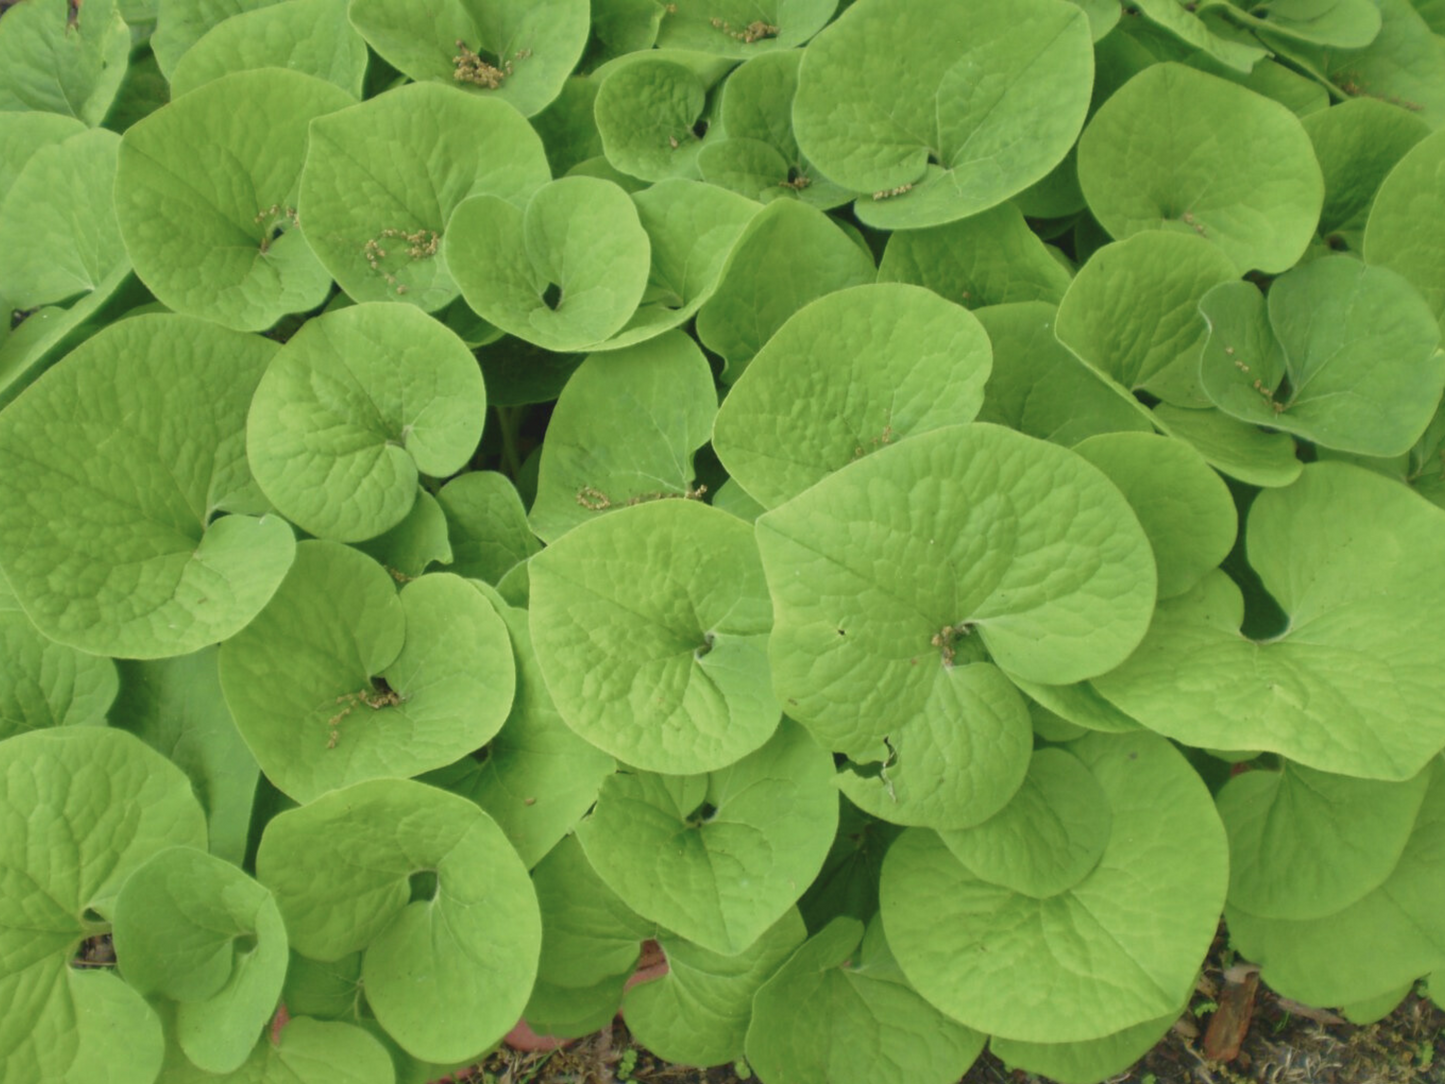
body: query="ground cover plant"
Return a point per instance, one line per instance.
(910, 511)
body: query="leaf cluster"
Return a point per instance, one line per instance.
(913, 510)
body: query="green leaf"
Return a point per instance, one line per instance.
(1079, 704)
(416, 542)
(788, 255)
(447, 974)
(1048, 838)
(839, 1012)
(692, 228)
(758, 155)
(1207, 31)
(354, 408)
(309, 1052)
(53, 63)
(1038, 386)
(197, 930)
(1351, 685)
(518, 51)
(649, 112)
(717, 858)
(923, 106)
(991, 258)
(1308, 360)
(735, 501)
(301, 678)
(1304, 844)
(697, 1013)
(844, 376)
(567, 127)
(122, 455)
(486, 524)
(24, 134)
(57, 222)
(382, 179)
(213, 234)
(61, 1020)
(1178, 150)
(308, 36)
(1406, 227)
(1132, 313)
(1183, 506)
(848, 884)
(651, 628)
(177, 708)
(1086, 1062)
(1358, 143)
(327, 991)
(1403, 65)
(1371, 948)
(594, 462)
(1253, 455)
(1338, 24)
(1138, 924)
(957, 761)
(182, 23)
(626, 26)
(743, 28)
(892, 578)
(565, 273)
(535, 778)
(45, 684)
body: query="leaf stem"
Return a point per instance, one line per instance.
(507, 420)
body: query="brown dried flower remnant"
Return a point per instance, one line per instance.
(594, 500)
(269, 216)
(375, 699)
(798, 183)
(473, 69)
(945, 639)
(421, 245)
(1258, 384)
(889, 193)
(755, 31)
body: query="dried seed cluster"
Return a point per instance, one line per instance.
(1258, 384)
(372, 698)
(757, 30)
(473, 69)
(421, 245)
(594, 500)
(889, 193)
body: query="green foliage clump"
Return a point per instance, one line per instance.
(912, 512)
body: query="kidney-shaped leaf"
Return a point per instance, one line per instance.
(206, 198)
(1304, 844)
(307, 1051)
(1176, 149)
(1353, 685)
(1406, 227)
(840, 1011)
(51, 62)
(717, 858)
(959, 542)
(651, 627)
(197, 930)
(845, 375)
(121, 458)
(57, 222)
(520, 51)
(355, 407)
(382, 178)
(660, 409)
(697, 1012)
(310, 36)
(1138, 924)
(340, 680)
(441, 905)
(1050, 835)
(922, 105)
(1341, 354)
(564, 273)
(114, 803)
(45, 684)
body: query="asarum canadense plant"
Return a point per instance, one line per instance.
(919, 508)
